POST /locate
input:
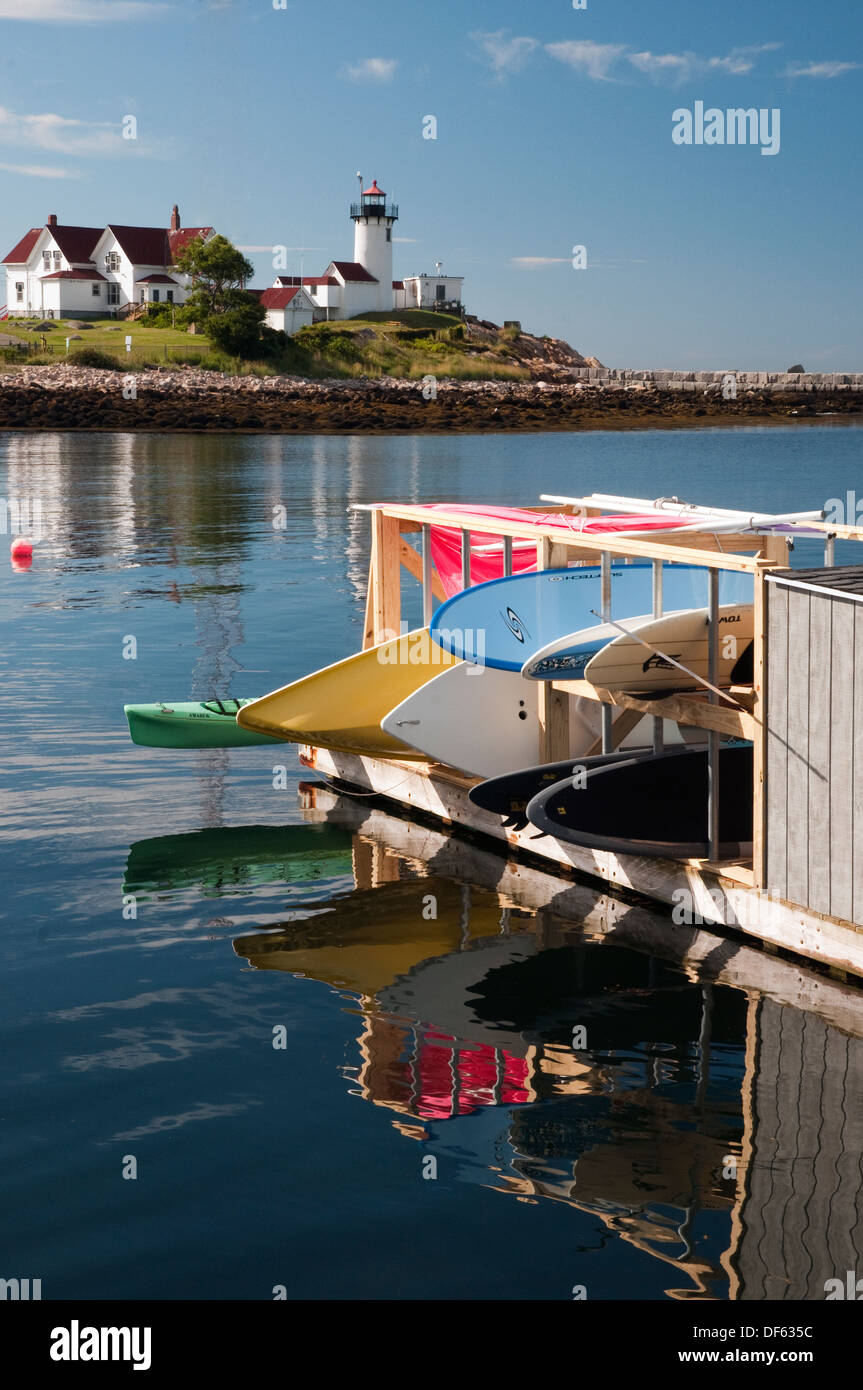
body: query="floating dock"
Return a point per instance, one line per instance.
(802, 889)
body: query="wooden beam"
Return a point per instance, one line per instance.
(413, 563)
(386, 602)
(697, 548)
(552, 705)
(691, 710)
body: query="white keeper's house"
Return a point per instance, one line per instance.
(365, 284)
(91, 272)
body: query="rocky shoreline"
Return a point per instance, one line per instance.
(62, 397)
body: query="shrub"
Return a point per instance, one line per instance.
(94, 357)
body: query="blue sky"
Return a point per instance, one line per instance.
(554, 129)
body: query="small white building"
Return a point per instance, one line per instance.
(433, 291)
(289, 308)
(57, 271)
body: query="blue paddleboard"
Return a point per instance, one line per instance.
(505, 621)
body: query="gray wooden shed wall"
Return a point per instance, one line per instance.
(815, 750)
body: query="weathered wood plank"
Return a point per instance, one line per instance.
(700, 548)
(385, 577)
(798, 746)
(777, 741)
(844, 763)
(683, 709)
(857, 789)
(759, 742)
(820, 638)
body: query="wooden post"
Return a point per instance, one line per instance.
(713, 791)
(759, 740)
(553, 704)
(384, 600)
(774, 551)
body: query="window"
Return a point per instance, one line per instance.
(440, 292)
(46, 260)
(57, 258)
(96, 288)
(19, 291)
(112, 260)
(155, 296)
(389, 233)
(113, 293)
(169, 295)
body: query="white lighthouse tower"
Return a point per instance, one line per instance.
(373, 219)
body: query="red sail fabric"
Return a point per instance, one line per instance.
(486, 561)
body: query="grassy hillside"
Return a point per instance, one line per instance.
(408, 344)
(149, 345)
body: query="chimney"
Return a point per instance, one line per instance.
(52, 219)
(175, 218)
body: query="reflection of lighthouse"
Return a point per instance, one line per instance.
(373, 220)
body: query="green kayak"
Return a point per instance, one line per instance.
(191, 724)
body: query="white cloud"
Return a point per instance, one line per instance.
(583, 55)
(537, 262)
(372, 70)
(683, 67)
(48, 131)
(818, 69)
(503, 54)
(79, 11)
(405, 239)
(40, 171)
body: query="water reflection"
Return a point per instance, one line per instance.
(710, 1114)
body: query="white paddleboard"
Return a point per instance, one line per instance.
(566, 658)
(626, 664)
(485, 721)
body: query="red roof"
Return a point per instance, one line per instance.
(143, 245)
(154, 245)
(278, 299)
(179, 240)
(157, 280)
(352, 272)
(398, 284)
(20, 253)
(73, 275)
(374, 191)
(76, 243)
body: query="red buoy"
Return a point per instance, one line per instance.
(22, 549)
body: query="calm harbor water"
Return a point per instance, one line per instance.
(167, 915)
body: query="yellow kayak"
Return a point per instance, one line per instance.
(341, 707)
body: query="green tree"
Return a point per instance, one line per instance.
(231, 318)
(217, 270)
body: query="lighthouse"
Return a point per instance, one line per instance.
(373, 218)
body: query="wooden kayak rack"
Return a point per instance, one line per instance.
(740, 711)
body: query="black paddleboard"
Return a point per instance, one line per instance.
(653, 806)
(508, 795)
